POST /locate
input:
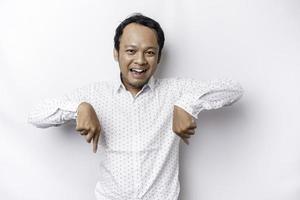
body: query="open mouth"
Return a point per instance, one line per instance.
(137, 73)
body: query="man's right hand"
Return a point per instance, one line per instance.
(87, 123)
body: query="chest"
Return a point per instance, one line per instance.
(141, 123)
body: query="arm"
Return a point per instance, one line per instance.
(57, 111)
(197, 96)
(54, 112)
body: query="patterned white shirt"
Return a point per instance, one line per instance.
(140, 150)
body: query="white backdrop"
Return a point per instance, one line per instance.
(248, 151)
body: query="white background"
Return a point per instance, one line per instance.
(248, 151)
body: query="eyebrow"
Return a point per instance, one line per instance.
(134, 46)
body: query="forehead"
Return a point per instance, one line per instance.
(138, 35)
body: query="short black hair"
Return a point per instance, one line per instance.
(142, 20)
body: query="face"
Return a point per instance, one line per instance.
(137, 56)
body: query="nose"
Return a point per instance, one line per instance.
(140, 59)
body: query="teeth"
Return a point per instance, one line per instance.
(137, 70)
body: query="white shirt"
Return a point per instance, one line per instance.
(139, 147)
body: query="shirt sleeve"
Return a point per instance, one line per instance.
(196, 96)
(56, 111)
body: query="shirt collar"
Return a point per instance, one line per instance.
(119, 84)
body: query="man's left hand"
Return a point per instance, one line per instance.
(184, 124)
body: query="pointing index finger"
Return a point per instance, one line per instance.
(95, 142)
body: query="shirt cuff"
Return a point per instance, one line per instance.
(70, 110)
(190, 104)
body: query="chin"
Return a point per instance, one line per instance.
(138, 84)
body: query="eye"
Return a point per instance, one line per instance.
(150, 53)
(130, 51)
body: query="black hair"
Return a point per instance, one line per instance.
(142, 20)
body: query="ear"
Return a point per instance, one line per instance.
(116, 55)
(158, 59)
(159, 56)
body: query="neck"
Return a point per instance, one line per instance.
(133, 90)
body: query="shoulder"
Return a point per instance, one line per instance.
(95, 87)
(184, 81)
(169, 80)
(107, 84)
(176, 82)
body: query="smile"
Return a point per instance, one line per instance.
(138, 73)
(138, 70)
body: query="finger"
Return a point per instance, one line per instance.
(186, 133)
(193, 125)
(89, 137)
(190, 131)
(95, 142)
(183, 135)
(79, 128)
(84, 132)
(186, 141)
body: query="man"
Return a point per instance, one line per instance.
(138, 118)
